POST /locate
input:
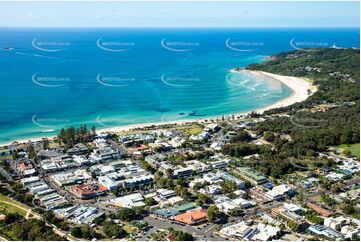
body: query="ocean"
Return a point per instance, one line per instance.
(54, 78)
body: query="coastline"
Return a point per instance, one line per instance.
(300, 87)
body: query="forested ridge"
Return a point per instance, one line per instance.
(335, 72)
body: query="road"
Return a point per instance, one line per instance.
(38, 216)
(201, 232)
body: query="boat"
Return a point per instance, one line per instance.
(7, 48)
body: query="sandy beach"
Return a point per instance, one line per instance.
(301, 90)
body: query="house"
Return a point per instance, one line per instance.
(192, 217)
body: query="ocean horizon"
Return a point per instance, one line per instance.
(60, 77)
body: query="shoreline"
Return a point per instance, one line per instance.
(300, 87)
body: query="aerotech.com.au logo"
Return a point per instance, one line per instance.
(179, 46)
(243, 46)
(50, 46)
(114, 46)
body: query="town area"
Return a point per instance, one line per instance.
(178, 182)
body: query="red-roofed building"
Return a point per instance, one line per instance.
(137, 149)
(82, 191)
(320, 210)
(192, 217)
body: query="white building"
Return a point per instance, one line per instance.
(128, 201)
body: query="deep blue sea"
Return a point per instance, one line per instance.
(53, 78)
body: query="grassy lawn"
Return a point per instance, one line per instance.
(11, 208)
(128, 227)
(191, 129)
(354, 149)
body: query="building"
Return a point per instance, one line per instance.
(82, 191)
(137, 181)
(278, 192)
(110, 181)
(334, 223)
(78, 149)
(128, 201)
(211, 178)
(171, 212)
(323, 231)
(253, 177)
(350, 232)
(228, 177)
(246, 232)
(192, 217)
(320, 210)
(182, 172)
(287, 214)
(70, 178)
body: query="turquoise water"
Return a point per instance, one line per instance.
(55, 78)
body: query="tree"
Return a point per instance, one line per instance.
(94, 130)
(126, 214)
(212, 213)
(346, 152)
(113, 230)
(76, 232)
(31, 151)
(268, 136)
(149, 201)
(11, 218)
(45, 144)
(203, 199)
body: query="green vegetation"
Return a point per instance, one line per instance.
(192, 129)
(228, 186)
(10, 206)
(313, 217)
(212, 213)
(127, 214)
(85, 232)
(337, 78)
(71, 136)
(50, 217)
(16, 228)
(113, 230)
(354, 149)
(180, 235)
